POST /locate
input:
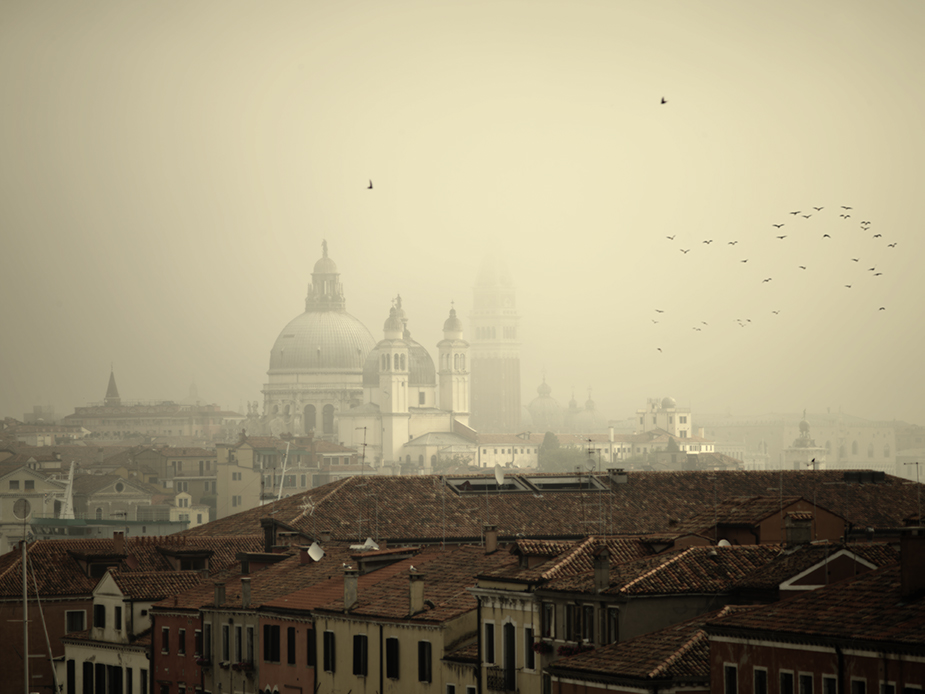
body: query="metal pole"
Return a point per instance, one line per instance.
(25, 619)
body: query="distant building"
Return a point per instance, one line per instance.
(666, 415)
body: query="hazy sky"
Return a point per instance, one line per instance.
(168, 171)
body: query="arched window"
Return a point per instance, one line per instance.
(854, 448)
(870, 450)
(433, 461)
(456, 362)
(462, 362)
(396, 362)
(421, 460)
(309, 417)
(327, 419)
(99, 513)
(287, 411)
(402, 362)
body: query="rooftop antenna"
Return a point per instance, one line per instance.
(918, 488)
(364, 506)
(812, 463)
(282, 476)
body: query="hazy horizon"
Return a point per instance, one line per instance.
(170, 170)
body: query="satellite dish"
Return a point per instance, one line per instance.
(315, 552)
(499, 475)
(724, 543)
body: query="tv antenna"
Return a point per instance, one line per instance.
(282, 476)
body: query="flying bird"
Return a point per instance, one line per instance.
(848, 285)
(818, 209)
(697, 329)
(685, 251)
(856, 259)
(797, 212)
(878, 236)
(370, 186)
(670, 238)
(664, 100)
(744, 261)
(871, 269)
(877, 274)
(802, 267)
(733, 243)
(845, 207)
(844, 215)
(654, 321)
(704, 322)
(658, 310)
(777, 225)
(775, 312)
(766, 280)
(659, 349)
(865, 222)
(807, 216)
(782, 237)
(826, 236)
(708, 242)
(891, 245)
(883, 308)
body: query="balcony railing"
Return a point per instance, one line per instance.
(501, 680)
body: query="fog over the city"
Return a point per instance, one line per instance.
(169, 170)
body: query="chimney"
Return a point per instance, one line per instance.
(912, 561)
(269, 534)
(351, 578)
(416, 592)
(491, 538)
(325, 536)
(219, 594)
(602, 569)
(617, 475)
(303, 556)
(245, 593)
(118, 542)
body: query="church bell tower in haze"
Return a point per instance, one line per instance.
(494, 351)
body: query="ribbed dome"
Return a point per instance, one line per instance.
(322, 340)
(668, 403)
(325, 266)
(393, 322)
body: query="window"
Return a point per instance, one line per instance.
(391, 658)
(30, 485)
(806, 684)
(470, 690)
(271, 643)
(829, 685)
(249, 646)
(310, 648)
(424, 662)
(99, 616)
(197, 643)
(786, 682)
(761, 681)
(290, 645)
(226, 643)
(421, 398)
(489, 655)
(730, 679)
(75, 620)
(451, 689)
(143, 678)
(207, 641)
(238, 646)
(181, 642)
(529, 654)
(613, 625)
(165, 639)
(682, 419)
(329, 651)
(887, 688)
(549, 620)
(129, 685)
(360, 653)
(14, 484)
(587, 623)
(858, 686)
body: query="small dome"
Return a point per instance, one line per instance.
(393, 322)
(452, 324)
(668, 403)
(325, 266)
(804, 427)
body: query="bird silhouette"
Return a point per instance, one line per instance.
(733, 243)
(877, 274)
(797, 212)
(659, 349)
(782, 237)
(871, 269)
(370, 186)
(704, 322)
(654, 321)
(697, 329)
(845, 207)
(848, 285)
(891, 245)
(865, 222)
(844, 215)
(856, 259)
(802, 267)
(766, 280)
(658, 310)
(664, 101)
(670, 238)
(807, 216)
(777, 225)
(883, 308)
(686, 251)
(744, 261)
(878, 236)
(708, 242)
(818, 209)
(775, 312)
(826, 236)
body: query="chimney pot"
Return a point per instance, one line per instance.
(245, 593)
(602, 569)
(118, 542)
(351, 580)
(325, 535)
(416, 592)
(491, 538)
(219, 593)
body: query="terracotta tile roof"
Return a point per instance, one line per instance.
(741, 511)
(678, 652)
(644, 504)
(155, 585)
(793, 561)
(60, 574)
(180, 452)
(541, 548)
(448, 575)
(685, 570)
(867, 608)
(464, 654)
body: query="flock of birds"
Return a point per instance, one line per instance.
(796, 236)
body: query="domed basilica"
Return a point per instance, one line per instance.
(329, 377)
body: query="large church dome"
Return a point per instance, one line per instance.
(319, 340)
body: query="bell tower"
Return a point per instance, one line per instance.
(495, 368)
(454, 369)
